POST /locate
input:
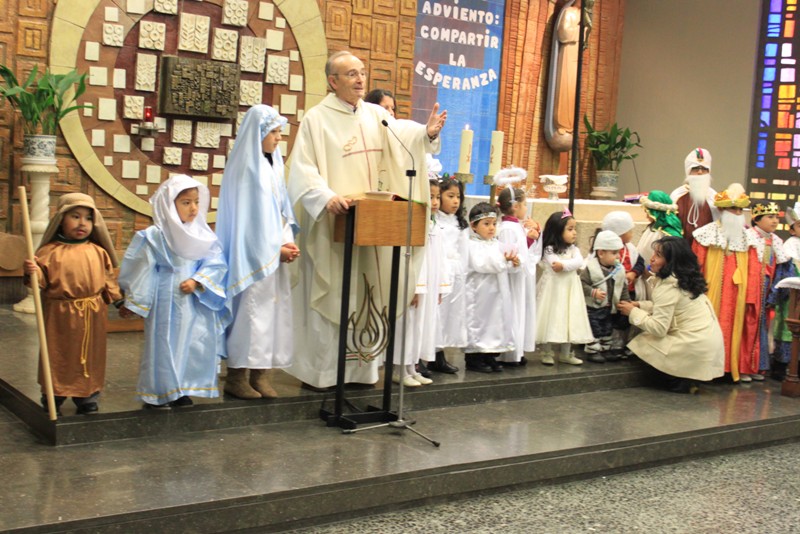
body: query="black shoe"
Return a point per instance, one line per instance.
(491, 361)
(476, 363)
(595, 358)
(521, 363)
(87, 408)
(58, 401)
(612, 356)
(778, 370)
(165, 406)
(181, 402)
(441, 365)
(423, 370)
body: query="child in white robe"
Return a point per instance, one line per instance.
(559, 291)
(490, 322)
(256, 227)
(173, 275)
(520, 234)
(422, 315)
(452, 332)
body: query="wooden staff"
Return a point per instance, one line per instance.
(37, 302)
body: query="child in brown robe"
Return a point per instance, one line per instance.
(76, 276)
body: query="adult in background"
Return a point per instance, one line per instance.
(343, 149)
(681, 336)
(695, 198)
(384, 98)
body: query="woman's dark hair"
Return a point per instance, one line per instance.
(447, 183)
(504, 199)
(553, 234)
(681, 263)
(376, 95)
(481, 208)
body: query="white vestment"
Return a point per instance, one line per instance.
(343, 151)
(490, 321)
(522, 280)
(422, 322)
(452, 311)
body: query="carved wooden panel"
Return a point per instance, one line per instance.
(361, 32)
(34, 8)
(390, 8)
(381, 74)
(384, 39)
(6, 17)
(404, 77)
(337, 20)
(408, 8)
(405, 39)
(362, 7)
(32, 38)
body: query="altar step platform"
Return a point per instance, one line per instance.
(271, 465)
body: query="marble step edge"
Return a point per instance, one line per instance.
(327, 503)
(73, 430)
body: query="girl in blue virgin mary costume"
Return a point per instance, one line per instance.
(256, 227)
(173, 275)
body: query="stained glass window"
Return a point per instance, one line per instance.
(774, 172)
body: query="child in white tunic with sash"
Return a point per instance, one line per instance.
(173, 275)
(256, 226)
(521, 235)
(490, 324)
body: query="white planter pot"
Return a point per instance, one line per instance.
(39, 148)
(606, 186)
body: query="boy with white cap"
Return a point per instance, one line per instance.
(604, 286)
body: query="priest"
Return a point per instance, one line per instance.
(345, 147)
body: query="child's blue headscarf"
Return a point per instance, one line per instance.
(252, 202)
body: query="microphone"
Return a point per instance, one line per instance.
(413, 171)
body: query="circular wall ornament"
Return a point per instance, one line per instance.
(280, 51)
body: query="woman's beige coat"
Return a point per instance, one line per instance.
(681, 336)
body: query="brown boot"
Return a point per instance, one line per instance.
(260, 382)
(237, 386)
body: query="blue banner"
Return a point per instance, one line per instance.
(457, 56)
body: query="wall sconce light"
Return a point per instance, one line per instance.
(148, 127)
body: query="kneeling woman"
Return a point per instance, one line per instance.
(681, 336)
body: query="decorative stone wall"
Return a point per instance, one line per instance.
(380, 32)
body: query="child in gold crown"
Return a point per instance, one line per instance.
(765, 220)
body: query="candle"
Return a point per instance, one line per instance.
(496, 153)
(465, 157)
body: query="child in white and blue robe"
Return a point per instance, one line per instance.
(184, 332)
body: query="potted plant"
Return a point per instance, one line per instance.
(609, 148)
(42, 102)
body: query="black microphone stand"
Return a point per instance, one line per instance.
(402, 423)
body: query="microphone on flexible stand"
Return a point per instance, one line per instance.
(409, 172)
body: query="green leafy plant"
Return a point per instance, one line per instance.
(610, 147)
(43, 102)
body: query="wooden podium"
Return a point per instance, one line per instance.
(376, 223)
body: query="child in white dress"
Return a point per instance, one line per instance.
(452, 325)
(559, 291)
(520, 234)
(422, 324)
(490, 324)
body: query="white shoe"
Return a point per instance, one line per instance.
(408, 381)
(745, 378)
(422, 380)
(757, 377)
(547, 360)
(593, 348)
(570, 359)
